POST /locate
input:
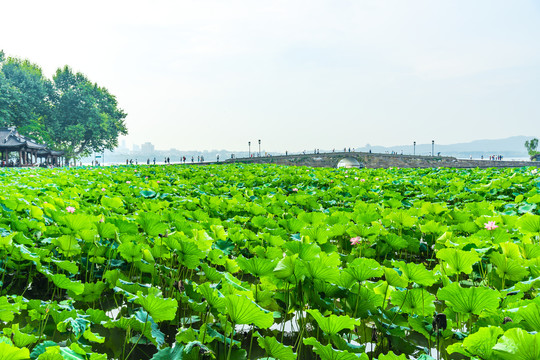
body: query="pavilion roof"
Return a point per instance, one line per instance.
(10, 139)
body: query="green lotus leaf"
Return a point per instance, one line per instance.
(414, 301)
(416, 273)
(509, 268)
(212, 296)
(180, 351)
(60, 353)
(531, 315)
(10, 352)
(41, 348)
(7, 241)
(92, 291)
(319, 234)
(76, 325)
(148, 194)
(306, 252)
(158, 307)
(189, 254)
(394, 279)
(131, 251)
(457, 261)
(285, 267)
(473, 300)
(106, 230)
(329, 353)
(77, 222)
(112, 202)
(362, 269)
(67, 245)
(140, 321)
(392, 356)
(256, 266)
(518, 344)
(479, 344)
(402, 219)
(242, 310)
(322, 268)
(334, 323)
(529, 224)
(151, 224)
(63, 282)
(433, 227)
(312, 218)
(66, 265)
(20, 339)
(396, 242)
(276, 349)
(364, 300)
(8, 310)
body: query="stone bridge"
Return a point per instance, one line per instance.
(376, 160)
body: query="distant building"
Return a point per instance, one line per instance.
(136, 148)
(147, 147)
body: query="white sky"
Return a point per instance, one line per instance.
(296, 74)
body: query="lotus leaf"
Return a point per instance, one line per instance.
(473, 300)
(334, 323)
(276, 349)
(329, 353)
(242, 310)
(517, 344)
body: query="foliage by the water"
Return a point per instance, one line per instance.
(69, 113)
(236, 262)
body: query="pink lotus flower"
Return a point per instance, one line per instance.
(157, 181)
(355, 240)
(490, 225)
(356, 178)
(295, 190)
(128, 182)
(70, 209)
(363, 180)
(102, 220)
(103, 189)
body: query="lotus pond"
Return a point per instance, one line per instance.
(267, 262)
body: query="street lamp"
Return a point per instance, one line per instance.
(259, 147)
(432, 147)
(414, 148)
(249, 149)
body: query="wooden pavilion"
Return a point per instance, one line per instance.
(30, 152)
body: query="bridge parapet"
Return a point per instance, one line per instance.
(376, 160)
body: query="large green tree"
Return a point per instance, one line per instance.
(70, 112)
(532, 146)
(26, 104)
(85, 117)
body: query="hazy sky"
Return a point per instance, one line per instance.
(296, 74)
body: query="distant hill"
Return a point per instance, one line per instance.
(512, 147)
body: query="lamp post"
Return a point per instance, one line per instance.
(259, 147)
(432, 147)
(249, 149)
(414, 147)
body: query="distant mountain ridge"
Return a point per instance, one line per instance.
(511, 147)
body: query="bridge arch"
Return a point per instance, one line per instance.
(349, 163)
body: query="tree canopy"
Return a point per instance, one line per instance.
(532, 146)
(69, 112)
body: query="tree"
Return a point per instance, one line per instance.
(25, 101)
(85, 117)
(532, 147)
